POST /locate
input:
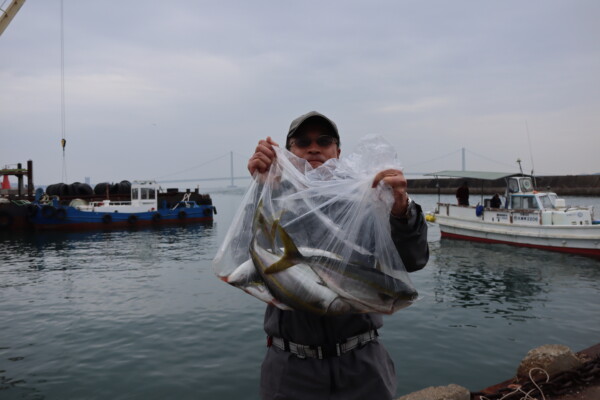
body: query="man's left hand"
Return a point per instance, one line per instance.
(396, 180)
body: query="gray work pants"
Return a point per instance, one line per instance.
(363, 373)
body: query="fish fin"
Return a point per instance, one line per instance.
(279, 266)
(289, 247)
(258, 213)
(274, 226)
(291, 254)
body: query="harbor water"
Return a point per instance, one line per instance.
(139, 314)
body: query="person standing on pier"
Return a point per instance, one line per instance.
(353, 373)
(462, 194)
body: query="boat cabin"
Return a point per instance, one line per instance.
(519, 184)
(144, 193)
(144, 198)
(520, 195)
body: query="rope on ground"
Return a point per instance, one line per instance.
(519, 389)
(559, 384)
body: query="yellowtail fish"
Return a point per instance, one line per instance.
(366, 287)
(299, 287)
(312, 279)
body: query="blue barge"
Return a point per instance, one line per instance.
(145, 208)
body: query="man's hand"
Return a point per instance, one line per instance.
(263, 157)
(396, 180)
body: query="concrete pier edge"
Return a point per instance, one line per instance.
(555, 358)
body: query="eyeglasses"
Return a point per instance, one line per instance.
(304, 141)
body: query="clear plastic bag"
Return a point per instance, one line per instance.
(319, 239)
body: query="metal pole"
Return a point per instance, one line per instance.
(30, 178)
(463, 160)
(20, 179)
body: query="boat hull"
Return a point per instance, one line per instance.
(13, 216)
(70, 218)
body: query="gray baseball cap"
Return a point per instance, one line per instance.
(312, 116)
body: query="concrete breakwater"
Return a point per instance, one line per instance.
(563, 185)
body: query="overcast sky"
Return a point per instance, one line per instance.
(167, 89)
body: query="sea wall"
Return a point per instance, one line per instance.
(564, 185)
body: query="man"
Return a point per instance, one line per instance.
(334, 357)
(462, 194)
(496, 202)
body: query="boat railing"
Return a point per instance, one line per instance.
(111, 203)
(185, 204)
(568, 216)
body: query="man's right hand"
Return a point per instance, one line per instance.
(263, 157)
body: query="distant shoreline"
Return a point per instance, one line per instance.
(563, 185)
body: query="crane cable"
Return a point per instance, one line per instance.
(63, 141)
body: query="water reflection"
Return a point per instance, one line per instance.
(23, 252)
(504, 281)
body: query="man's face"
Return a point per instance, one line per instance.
(314, 153)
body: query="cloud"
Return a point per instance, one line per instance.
(420, 105)
(190, 81)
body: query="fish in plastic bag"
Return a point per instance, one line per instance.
(319, 239)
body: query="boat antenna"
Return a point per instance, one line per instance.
(519, 162)
(63, 141)
(530, 152)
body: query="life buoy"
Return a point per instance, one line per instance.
(48, 211)
(132, 219)
(6, 219)
(107, 218)
(61, 214)
(182, 214)
(156, 217)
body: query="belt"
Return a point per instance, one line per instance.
(323, 351)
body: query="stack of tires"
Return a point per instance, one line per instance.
(123, 187)
(73, 189)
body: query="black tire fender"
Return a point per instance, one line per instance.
(32, 210)
(48, 211)
(61, 214)
(6, 220)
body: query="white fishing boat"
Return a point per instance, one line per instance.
(526, 217)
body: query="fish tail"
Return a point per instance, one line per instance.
(291, 254)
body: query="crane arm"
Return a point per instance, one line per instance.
(9, 13)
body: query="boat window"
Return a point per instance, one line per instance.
(526, 184)
(148, 193)
(513, 185)
(524, 202)
(135, 194)
(546, 201)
